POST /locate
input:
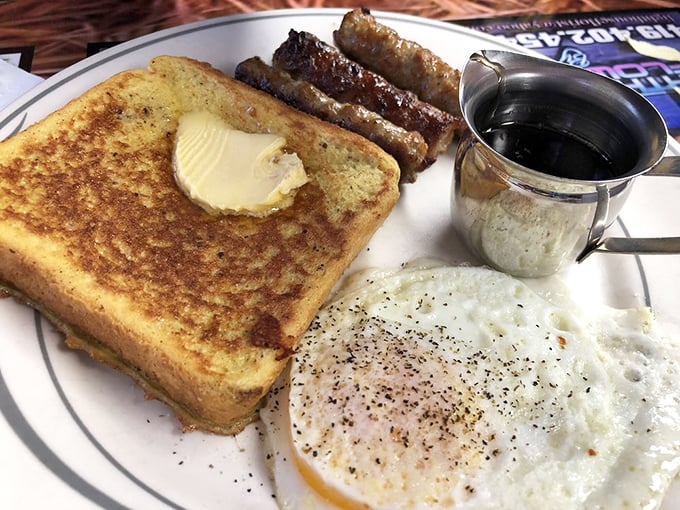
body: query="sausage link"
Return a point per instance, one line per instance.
(407, 147)
(404, 63)
(307, 58)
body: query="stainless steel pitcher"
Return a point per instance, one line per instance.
(526, 221)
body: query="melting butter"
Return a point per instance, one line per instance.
(225, 170)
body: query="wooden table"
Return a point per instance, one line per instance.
(59, 30)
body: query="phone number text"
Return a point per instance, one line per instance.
(597, 35)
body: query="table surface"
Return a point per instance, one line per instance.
(60, 30)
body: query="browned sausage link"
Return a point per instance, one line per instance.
(307, 58)
(405, 63)
(407, 147)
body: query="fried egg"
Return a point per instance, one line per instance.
(461, 387)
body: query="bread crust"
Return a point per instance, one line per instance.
(202, 311)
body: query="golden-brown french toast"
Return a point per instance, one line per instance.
(203, 311)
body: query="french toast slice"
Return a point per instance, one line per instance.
(203, 311)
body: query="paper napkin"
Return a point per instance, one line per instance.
(14, 82)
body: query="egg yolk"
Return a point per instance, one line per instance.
(331, 494)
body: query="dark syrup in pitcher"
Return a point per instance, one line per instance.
(548, 151)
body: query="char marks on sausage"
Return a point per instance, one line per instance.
(308, 58)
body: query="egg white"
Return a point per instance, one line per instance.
(460, 387)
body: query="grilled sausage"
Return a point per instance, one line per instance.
(404, 63)
(307, 58)
(407, 147)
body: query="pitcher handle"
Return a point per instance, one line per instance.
(668, 166)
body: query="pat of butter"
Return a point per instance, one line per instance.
(225, 170)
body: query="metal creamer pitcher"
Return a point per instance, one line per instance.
(548, 160)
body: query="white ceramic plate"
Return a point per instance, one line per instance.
(75, 434)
